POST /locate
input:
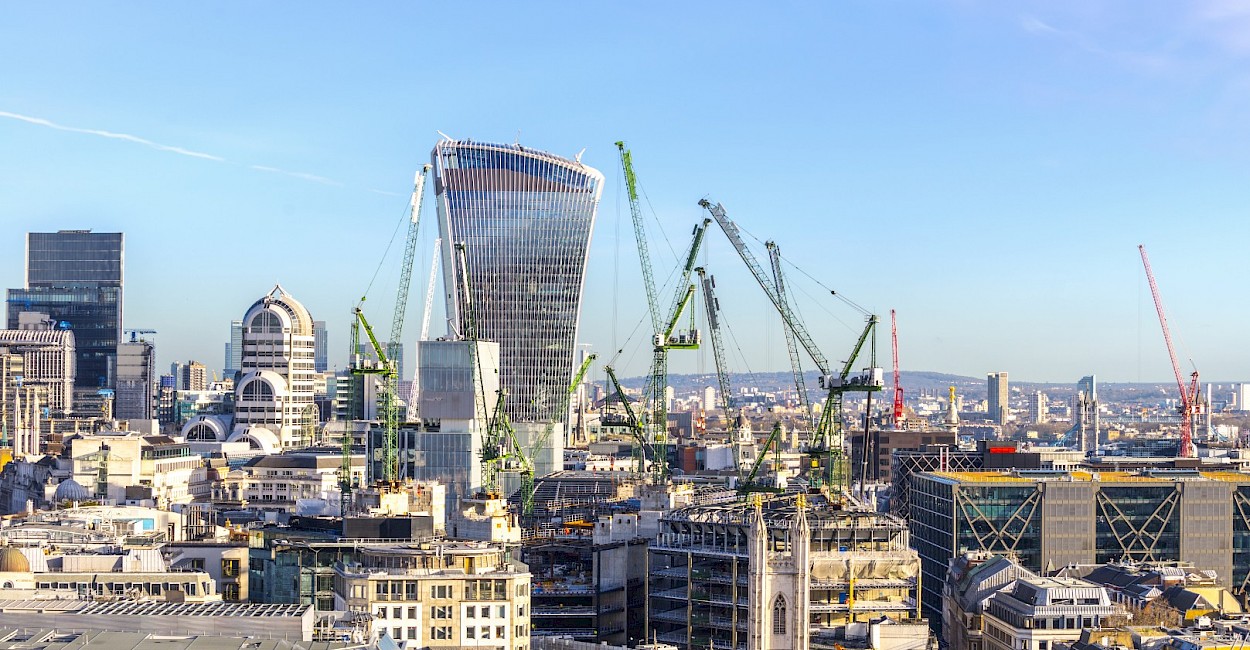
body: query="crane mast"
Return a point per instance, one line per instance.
(635, 425)
(796, 363)
(898, 387)
(1188, 395)
(826, 445)
(718, 345)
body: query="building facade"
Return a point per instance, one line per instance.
(525, 219)
(321, 345)
(439, 594)
(274, 394)
(1050, 519)
(234, 349)
(780, 574)
(136, 381)
(48, 359)
(75, 276)
(997, 395)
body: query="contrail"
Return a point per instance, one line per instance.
(39, 121)
(304, 175)
(109, 134)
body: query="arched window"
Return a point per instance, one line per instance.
(779, 615)
(266, 323)
(258, 390)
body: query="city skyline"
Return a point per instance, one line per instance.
(986, 170)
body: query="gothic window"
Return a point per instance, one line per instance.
(779, 615)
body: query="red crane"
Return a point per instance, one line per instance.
(1189, 394)
(898, 389)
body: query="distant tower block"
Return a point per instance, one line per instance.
(998, 393)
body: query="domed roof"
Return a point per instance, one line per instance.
(12, 561)
(280, 302)
(71, 490)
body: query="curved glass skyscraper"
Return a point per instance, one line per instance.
(525, 218)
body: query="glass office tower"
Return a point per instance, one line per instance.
(525, 218)
(75, 276)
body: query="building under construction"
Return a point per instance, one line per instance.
(784, 571)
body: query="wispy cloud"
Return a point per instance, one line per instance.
(304, 175)
(1146, 61)
(126, 137)
(110, 134)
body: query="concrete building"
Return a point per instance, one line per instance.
(58, 625)
(439, 594)
(998, 392)
(135, 573)
(971, 580)
(1036, 613)
(459, 390)
(1039, 408)
(1051, 519)
(136, 381)
(884, 443)
(48, 360)
(194, 376)
(591, 584)
(287, 482)
(274, 394)
(783, 573)
(524, 218)
(75, 276)
(128, 467)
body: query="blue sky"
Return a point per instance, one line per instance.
(985, 168)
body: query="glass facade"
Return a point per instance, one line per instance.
(525, 218)
(75, 276)
(93, 314)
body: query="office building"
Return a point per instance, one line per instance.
(997, 396)
(459, 390)
(1050, 519)
(274, 395)
(234, 349)
(133, 467)
(321, 346)
(136, 381)
(48, 361)
(524, 218)
(439, 594)
(75, 276)
(787, 573)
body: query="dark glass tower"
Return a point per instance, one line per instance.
(75, 276)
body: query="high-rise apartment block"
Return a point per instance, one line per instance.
(998, 394)
(524, 218)
(136, 381)
(1039, 407)
(194, 376)
(75, 276)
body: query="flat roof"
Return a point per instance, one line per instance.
(1147, 476)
